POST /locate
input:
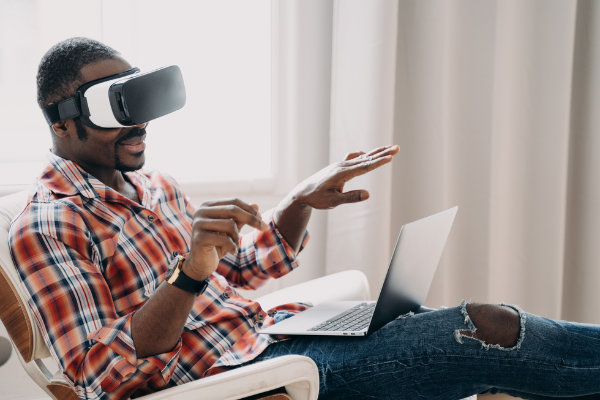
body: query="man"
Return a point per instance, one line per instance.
(102, 244)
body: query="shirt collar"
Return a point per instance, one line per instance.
(65, 177)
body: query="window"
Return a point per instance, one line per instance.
(222, 47)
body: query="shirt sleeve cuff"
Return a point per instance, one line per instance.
(282, 257)
(289, 250)
(117, 337)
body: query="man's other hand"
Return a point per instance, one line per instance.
(216, 232)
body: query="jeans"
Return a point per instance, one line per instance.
(427, 356)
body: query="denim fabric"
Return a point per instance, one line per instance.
(427, 356)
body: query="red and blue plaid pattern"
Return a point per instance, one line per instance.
(89, 258)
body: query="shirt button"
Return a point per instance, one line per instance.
(150, 218)
(260, 317)
(226, 295)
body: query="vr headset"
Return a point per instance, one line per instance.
(125, 99)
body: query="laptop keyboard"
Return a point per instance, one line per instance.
(353, 319)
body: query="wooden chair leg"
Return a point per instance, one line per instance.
(277, 394)
(62, 391)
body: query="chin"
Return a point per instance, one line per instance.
(133, 166)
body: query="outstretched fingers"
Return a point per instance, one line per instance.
(359, 165)
(365, 165)
(385, 150)
(350, 156)
(386, 153)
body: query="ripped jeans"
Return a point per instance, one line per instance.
(431, 355)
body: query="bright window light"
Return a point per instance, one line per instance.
(222, 47)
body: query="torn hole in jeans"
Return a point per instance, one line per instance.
(470, 331)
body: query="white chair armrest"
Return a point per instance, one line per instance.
(298, 374)
(345, 285)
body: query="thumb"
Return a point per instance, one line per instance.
(353, 196)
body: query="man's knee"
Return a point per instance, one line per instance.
(495, 324)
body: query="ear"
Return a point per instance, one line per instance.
(61, 128)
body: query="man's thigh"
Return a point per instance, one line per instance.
(397, 361)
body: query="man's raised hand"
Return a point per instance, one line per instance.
(325, 189)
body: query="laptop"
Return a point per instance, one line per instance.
(412, 266)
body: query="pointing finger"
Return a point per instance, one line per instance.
(240, 216)
(249, 208)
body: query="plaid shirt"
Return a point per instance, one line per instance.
(89, 258)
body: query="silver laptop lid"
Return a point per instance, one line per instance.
(414, 261)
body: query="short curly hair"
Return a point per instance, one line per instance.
(59, 72)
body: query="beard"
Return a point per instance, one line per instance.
(82, 134)
(119, 165)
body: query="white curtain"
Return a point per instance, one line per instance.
(492, 103)
(482, 108)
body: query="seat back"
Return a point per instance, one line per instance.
(16, 314)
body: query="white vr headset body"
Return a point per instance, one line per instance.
(121, 100)
(103, 114)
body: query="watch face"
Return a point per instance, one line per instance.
(176, 267)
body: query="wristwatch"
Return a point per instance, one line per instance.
(178, 278)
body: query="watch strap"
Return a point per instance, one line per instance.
(179, 279)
